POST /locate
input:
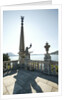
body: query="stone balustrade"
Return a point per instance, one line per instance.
(8, 65)
(31, 65)
(39, 66)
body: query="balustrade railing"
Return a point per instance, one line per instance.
(39, 65)
(31, 65)
(8, 65)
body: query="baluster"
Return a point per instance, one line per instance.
(41, 66)
(30, 65)
(6, 66)
(9, 66)
(38, 65)
(33, 65)
(54, 70)
(50, 69)
(12, 65)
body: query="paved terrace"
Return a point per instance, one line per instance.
(24, 81)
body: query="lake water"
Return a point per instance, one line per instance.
(36, 57)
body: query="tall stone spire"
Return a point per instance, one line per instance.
(22, 48)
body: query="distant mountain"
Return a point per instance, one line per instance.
(11, 54)
(55, 52)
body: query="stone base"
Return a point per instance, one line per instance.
(21, 60)
(47, 67)
(27, 58)
(21, 57)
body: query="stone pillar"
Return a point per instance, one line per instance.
(27, 58)
(47, 59)
(47, 67)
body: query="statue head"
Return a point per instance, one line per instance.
(30, 45)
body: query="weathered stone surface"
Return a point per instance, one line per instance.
(54, 90)
(6, 93)
(52, 84)
(32, 89)
(25, 81)
(14, 88)
(4, 89)
(9, 80)
(41, 80)
(45, 87)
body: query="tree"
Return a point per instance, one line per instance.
(6, 57)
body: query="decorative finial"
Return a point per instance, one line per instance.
(22, 18)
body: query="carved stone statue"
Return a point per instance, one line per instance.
(27, 48)
(27, 56)
(47, 55)
(47, 46)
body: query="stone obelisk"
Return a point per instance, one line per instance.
(22, 47)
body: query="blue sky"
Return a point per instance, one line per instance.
(40, 26)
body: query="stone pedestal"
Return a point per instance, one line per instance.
(47, 67)
(21, 58)
(27, 58)
(47, 57)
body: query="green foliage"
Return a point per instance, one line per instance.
(55, 66)
(6, 57)
(8, 66)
